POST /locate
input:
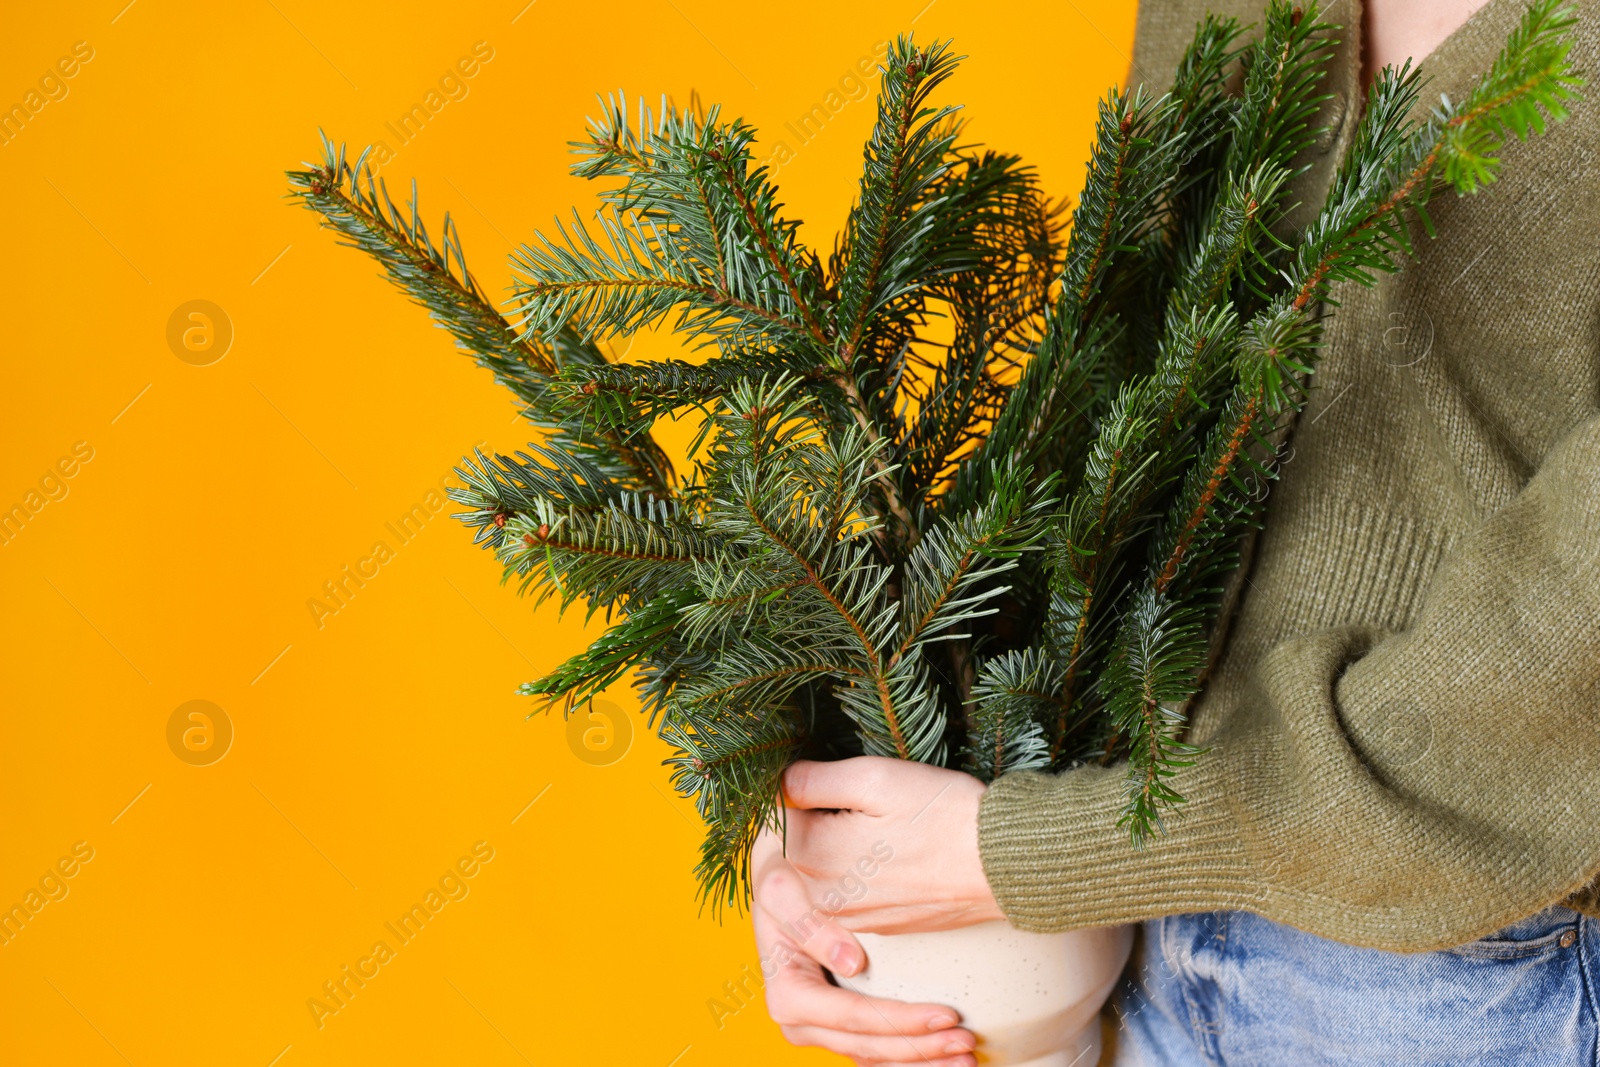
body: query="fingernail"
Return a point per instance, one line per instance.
(958, 1045)
(942, 1020)
(844, 960)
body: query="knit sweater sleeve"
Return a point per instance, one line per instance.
(1405, 790)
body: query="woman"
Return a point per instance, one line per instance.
(1404, 730)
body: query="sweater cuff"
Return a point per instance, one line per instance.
(1056, 859)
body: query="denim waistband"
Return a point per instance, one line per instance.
(1231, 988)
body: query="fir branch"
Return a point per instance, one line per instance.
(1229, 242)
(633, 281)
(778, 671)
(1279, 102)
(881, 259)
(780, 253)
(790, 499)
(899, 711)
(357, 205)
(1529, 86)
(731, 761)
(1391, 168)
(905, 532)
(629, 397)
(606, 556)
(1016, 693)
(645, 631)
(1047, 415)
(1137, 152)
(695, 228)
(850, 565)
(501, 488)
(1197, 507)
(853, 593)
(1134, 459)
(561, 526)
(1359, 233)
(1093, 525)
(1205, 112)
(1200, 83)
(995, 215)
(943, 580)
(1150, 675)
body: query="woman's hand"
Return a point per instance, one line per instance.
(925, 817)
(876, 845)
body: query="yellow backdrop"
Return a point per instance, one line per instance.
(240, 743)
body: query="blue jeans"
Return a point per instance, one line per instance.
(1231, 988)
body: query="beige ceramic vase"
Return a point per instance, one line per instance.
(1033, 999)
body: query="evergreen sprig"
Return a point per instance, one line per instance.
(965, 491)
(356, 204)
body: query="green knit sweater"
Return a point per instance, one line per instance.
(1404, 721)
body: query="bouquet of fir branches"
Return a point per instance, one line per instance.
(967, 485)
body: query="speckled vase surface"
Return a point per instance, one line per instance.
(1032, 999)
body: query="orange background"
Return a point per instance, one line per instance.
(372, 752)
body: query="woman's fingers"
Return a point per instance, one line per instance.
(800, 995)
(847, 783)
(943, 1048)
(800, 941)
(781, 896)
(802, 1000)
(797, 940)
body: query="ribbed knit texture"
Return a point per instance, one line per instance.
(1404, 725)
